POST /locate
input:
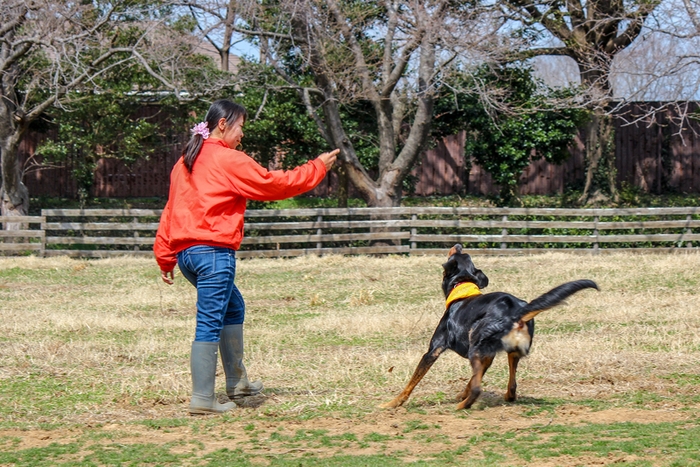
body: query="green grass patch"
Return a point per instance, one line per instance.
(668, 443)
(47, 396)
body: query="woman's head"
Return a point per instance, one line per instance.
(223, 120)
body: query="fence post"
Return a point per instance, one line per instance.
(319, 232)
(595, 232)
(414, 231)
(42, 227)
(135, 220)
(504, 233)
(689, 231)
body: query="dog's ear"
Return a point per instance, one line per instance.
(481, 280)
(475, 275)
(450, 267)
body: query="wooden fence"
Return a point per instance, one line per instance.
(28, 236)
(407, 230)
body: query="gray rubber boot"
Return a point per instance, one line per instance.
(203, 361)
(231, 347)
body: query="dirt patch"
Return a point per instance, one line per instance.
(576, 414)
(588, 460)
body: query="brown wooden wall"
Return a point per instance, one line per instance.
(113, 178)
(443, 171)
(662, 156)
(656, 157)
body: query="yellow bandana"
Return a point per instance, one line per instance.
(463, 290)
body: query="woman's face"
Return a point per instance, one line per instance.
(232, 134)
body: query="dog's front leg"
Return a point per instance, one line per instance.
(473, 390)
(423, 366)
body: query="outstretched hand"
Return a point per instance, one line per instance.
(328, 158)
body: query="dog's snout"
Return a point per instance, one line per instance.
(457, 249)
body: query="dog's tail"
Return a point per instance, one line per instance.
(554, 297)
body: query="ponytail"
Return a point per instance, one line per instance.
(194, 145)
(223, 108)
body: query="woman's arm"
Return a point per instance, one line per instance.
(252, 181)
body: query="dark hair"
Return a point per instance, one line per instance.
(223, 108)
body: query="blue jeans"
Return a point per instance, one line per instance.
(212, 271)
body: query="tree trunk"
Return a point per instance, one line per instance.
(510, 195)
(599, 133)
(599, 136)
(384, 192)
(13, 204)
(14, 196)
(384, 228)
(342, 194)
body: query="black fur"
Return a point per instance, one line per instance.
(479, 327)
(558, 294)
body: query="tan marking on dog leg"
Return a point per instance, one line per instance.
(479, 367)
(513, 359)
(423, 366)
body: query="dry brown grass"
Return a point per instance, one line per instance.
(341, 333)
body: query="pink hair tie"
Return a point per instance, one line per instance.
(200, 129)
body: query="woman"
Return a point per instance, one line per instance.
(202, 227)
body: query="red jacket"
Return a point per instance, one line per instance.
(206, 207)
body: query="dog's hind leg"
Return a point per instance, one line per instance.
(473, 390)
(423, 366)
(513, 359)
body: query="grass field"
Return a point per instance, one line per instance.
(94, 366)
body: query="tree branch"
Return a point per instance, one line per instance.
(693, 14)
(38, 109)
(19, 53)
(557, 27)
(578, 18)
(12, 24)
(360, 63)
(272, 35)
(635, 27)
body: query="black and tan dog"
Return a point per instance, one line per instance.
(477, 326)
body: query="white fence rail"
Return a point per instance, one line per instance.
(406, 230)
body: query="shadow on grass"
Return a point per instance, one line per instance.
(248, 402)
(251, 402)
(491, 399)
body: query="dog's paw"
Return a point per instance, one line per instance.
(391, 405)
(465, 405)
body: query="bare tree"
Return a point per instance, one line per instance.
(663, 65)
(692, 8)
(592, 33)
(393, 55)
(660, 67)
(48, 50)
(215, 21)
